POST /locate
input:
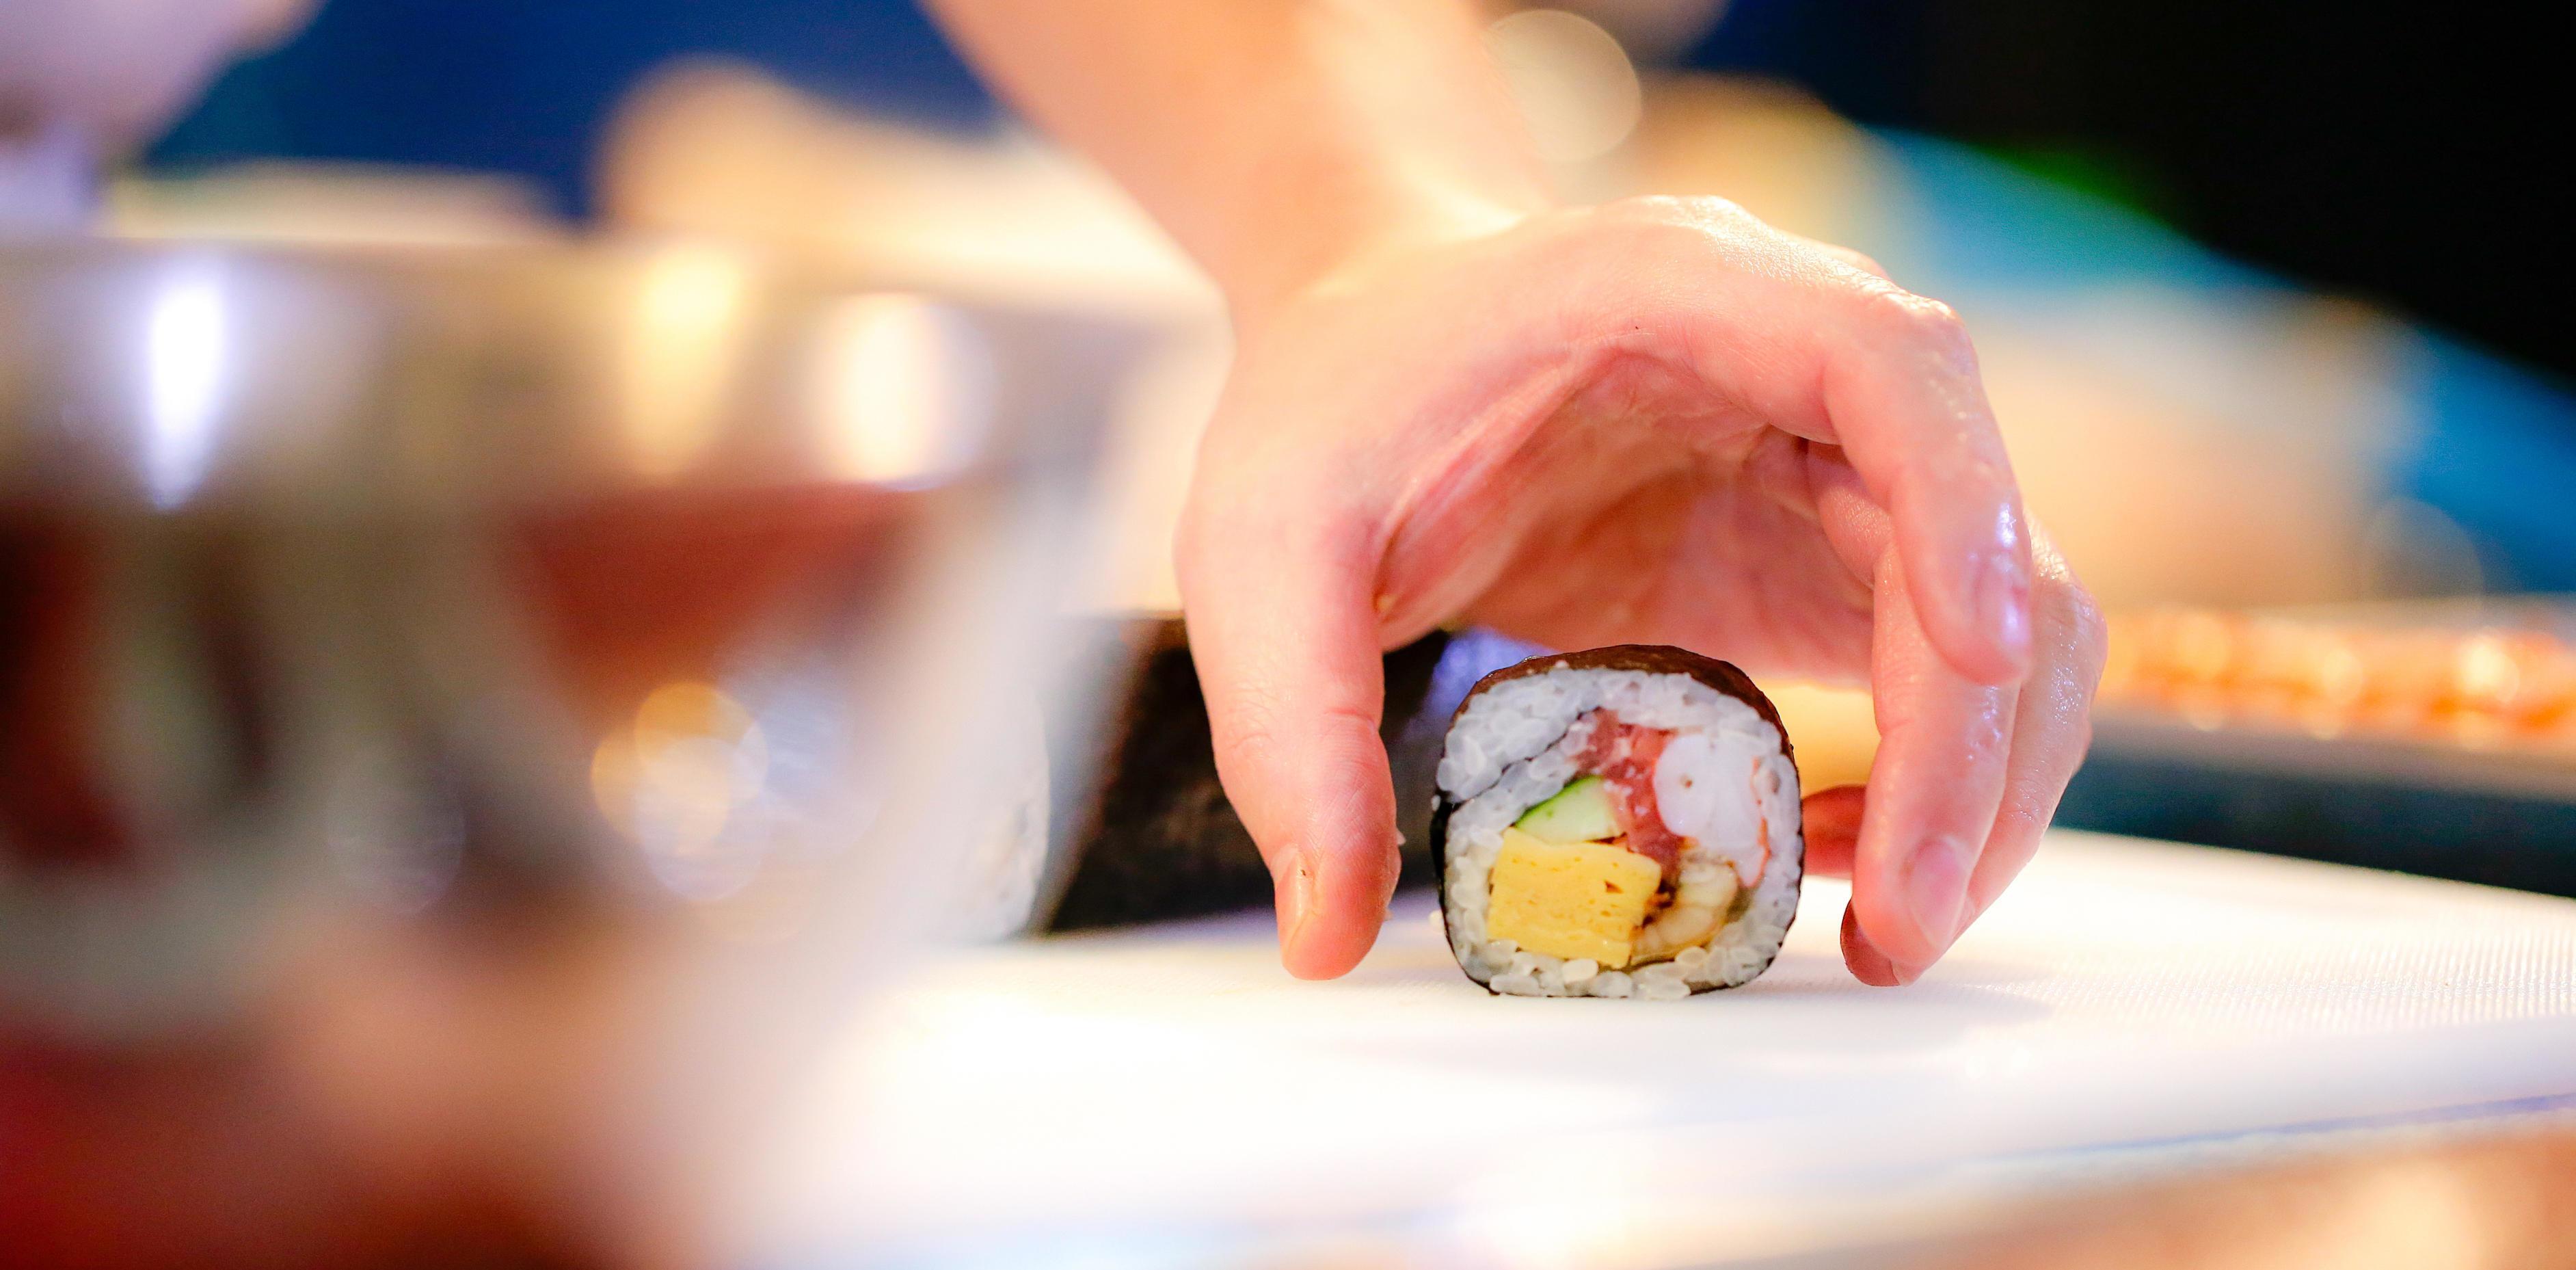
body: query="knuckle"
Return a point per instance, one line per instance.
(1667, 238)
(1263, 738)
(1916, 319)
(1696, 231)
(2087, 629)
(1697, 212)
(1247, 722)
(1643, 209)
(1345, 719)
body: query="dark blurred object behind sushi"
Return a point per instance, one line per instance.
(1153, 836)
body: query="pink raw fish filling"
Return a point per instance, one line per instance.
(1624, 755)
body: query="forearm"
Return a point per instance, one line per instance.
(1276, 139)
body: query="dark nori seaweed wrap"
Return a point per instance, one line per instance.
(1156, 839)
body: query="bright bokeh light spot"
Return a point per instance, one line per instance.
(187, 346)
(2341, 675)
(2488, 675)
(1580, 1225)
(2203, 644)
(680, 354)
(2339, 679)
(903, 390)
(686, 782)
(1575, 85)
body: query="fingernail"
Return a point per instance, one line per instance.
(1867, 963)
(1936, 889)
(2003, 602)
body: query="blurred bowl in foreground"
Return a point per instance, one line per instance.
(384, 634)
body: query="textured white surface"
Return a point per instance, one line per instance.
(2123, 994)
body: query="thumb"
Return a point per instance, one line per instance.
(1285, 637)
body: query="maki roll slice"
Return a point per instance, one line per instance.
(1621, 822)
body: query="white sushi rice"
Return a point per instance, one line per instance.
(1514, 746)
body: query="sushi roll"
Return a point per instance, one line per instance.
(1621, 822)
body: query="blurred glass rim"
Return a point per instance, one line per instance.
(166, 372)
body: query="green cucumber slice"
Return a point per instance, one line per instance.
(1580, 812)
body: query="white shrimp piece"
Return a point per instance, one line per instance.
(1702, 797)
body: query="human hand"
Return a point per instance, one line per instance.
(1654, 421)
